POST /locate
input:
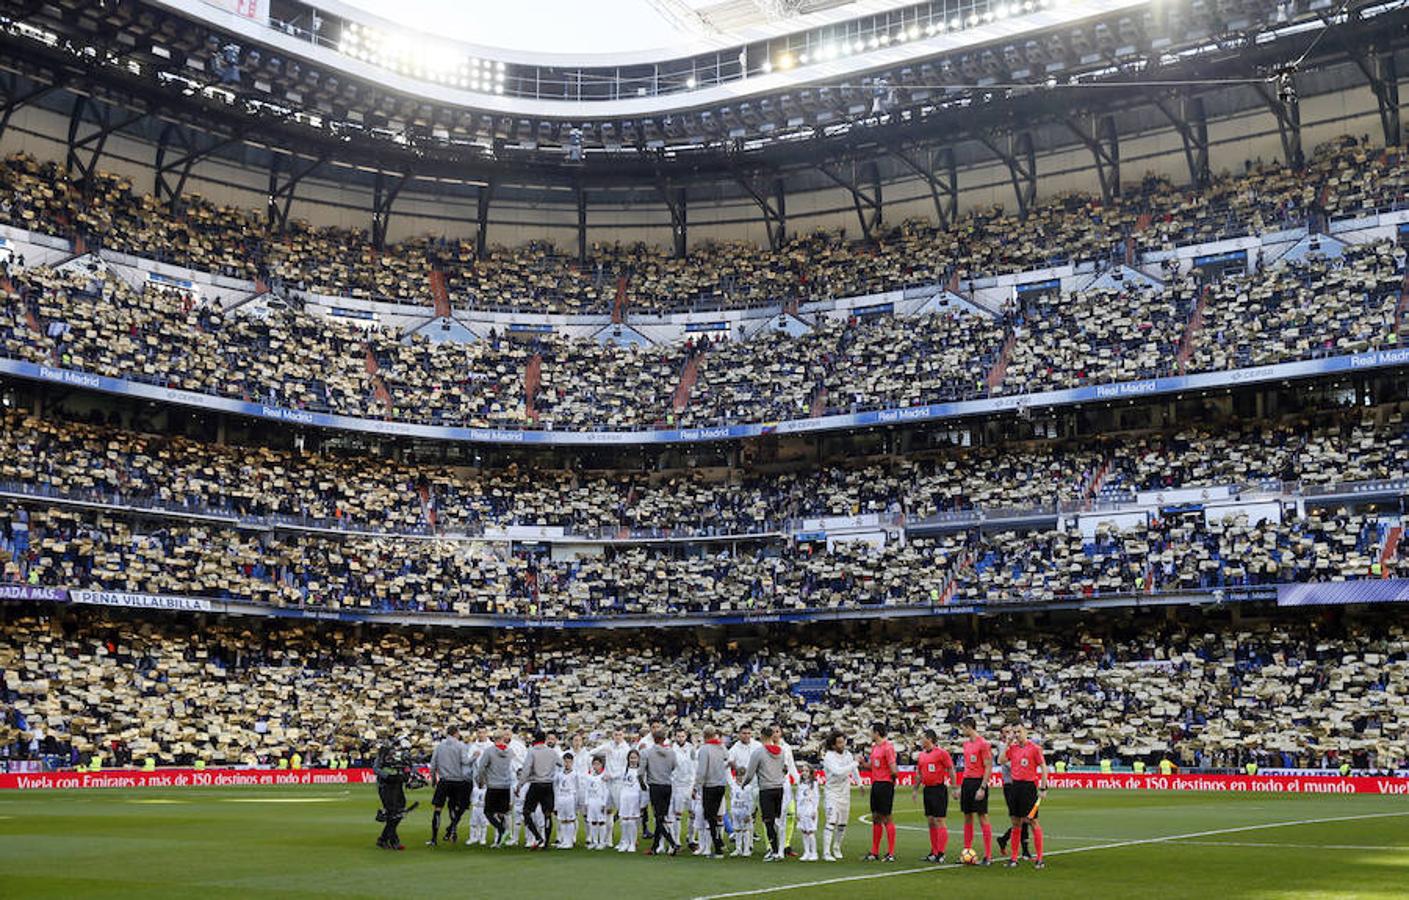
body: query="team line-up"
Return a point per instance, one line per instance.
(511, 787)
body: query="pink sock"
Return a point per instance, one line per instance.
(987, 841)
(968, 834)
(890, 838)
(875, 838)
(1037, 840)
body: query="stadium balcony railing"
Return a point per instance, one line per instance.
(119, 502)
(797, 527)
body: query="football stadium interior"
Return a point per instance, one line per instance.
(704, 429)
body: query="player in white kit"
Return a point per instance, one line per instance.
(841, 773)
(682, 786)
(613, 754)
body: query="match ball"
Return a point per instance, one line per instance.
(968, 857)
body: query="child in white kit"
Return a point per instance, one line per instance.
(699, 834)
(516, 830)
(566, 795)
(479, 823)
(629, 803)
(741, 814)
(596, 796)
(807, 807)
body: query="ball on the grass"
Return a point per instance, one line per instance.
(968, 857)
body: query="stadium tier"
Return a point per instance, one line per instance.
(1307, 694)
(1343, 180)
(1337, 302)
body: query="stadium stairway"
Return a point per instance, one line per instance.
(967, 562)
(31, 318)
(440, 293)
(379, 388)
(689, 374)
(1189, 342)
(1401, 306)
(532, 381)
(619, 303)
(999, 370)
(1391, 548)
(1093, 488)
(427, 504)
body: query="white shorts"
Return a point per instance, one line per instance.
(614, 794)
(839, 808)
(596, 812)
(680, 800)
(566, 813)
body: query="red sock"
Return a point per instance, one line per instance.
(942, 836)
(987, 840)
(1017, 842)
(1037, 840)
(875, 838)
(968, 834)
(934, 839)
(890, 838)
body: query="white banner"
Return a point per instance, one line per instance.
(254, 10)
(141, 601)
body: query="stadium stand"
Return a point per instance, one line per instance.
(115, 466)
(1307, 693)
(94, 322)
(1342, 177)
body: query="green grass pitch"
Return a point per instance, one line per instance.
(313, 841)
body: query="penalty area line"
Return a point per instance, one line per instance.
(1136, 842)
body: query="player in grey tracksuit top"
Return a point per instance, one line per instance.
(657, 771)
(711, 776)
(496, 776)
(450, 770)
(768, 766)
(539, 769)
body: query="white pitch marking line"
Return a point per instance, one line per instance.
(1171, 838)
(1273, 844)
(278, 800)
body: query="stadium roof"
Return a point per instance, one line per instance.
(660, 28)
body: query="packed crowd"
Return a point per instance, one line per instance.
(118, 466)
(1305, 693)
(91, 320)
(105, 550)
(1343, 177)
